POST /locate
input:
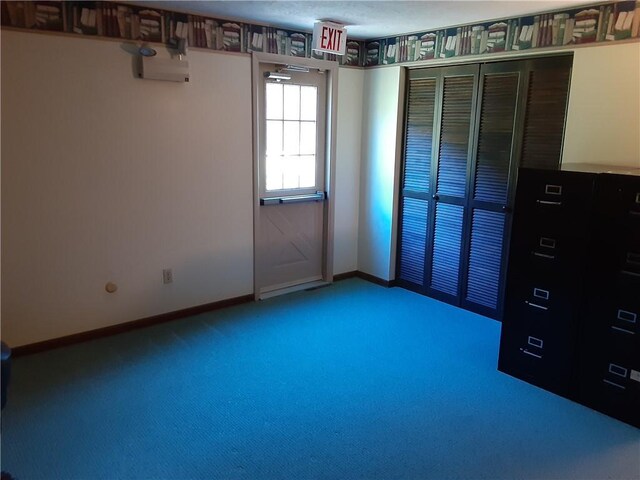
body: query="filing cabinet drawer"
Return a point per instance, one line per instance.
(618, 198)
(610, 329)
(540, 358)
(541, 295)
(604, 318)
(610, 383)
(614, 290)
(554, 196)
(624, 283)
(628, 263)
(571, 226)
(547, 254)
(616, 248)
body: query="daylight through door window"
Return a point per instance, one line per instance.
(291, 136)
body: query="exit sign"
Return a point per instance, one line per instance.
(329, 37)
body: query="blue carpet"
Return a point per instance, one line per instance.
(352, 381)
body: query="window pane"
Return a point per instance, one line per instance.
(274, 137)
(290, 171)
(290, 161)
(308, 100)
(273, 172)
(291, 138)
(274, 100)
(307, 168)
(292, 102)
(307, 138)
(291, 176)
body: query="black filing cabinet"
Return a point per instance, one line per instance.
(610, 346)
(544, 287)
(572, 309)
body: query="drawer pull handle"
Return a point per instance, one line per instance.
(622, 330)
(540, 293)
(535, 342)
(633, 258)
(633, 212)
(544, 255)
(527, 352)
(626, 316)
(547, 242)
(548, 202)
(638, 197)
(629, 272)
(618, 370)
(553, 189)
(614, 384)
(535, 305)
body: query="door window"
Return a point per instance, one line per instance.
(291, 136)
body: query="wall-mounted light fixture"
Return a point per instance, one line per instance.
(158, 67)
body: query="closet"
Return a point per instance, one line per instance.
(467, 130)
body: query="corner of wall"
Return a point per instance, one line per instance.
(348, 160)
(378, 170)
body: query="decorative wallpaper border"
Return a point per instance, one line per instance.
(133, 22)
(599, 23)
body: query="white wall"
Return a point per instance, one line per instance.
(377, 171)
(603, 120)
(348, 154)
(107, 177)
(111, 178)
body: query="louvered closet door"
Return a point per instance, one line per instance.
(467, 130)
(492, 182)
(418, 149)
(547, 93)
(455, 135)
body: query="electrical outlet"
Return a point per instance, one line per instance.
(167, 276)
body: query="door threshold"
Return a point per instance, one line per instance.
(293, 288)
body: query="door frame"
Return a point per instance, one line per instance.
(331, 70)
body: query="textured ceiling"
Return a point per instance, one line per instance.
(365, 19)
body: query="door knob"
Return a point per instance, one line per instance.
(436, 197)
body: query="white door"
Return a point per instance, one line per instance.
(291, 218)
